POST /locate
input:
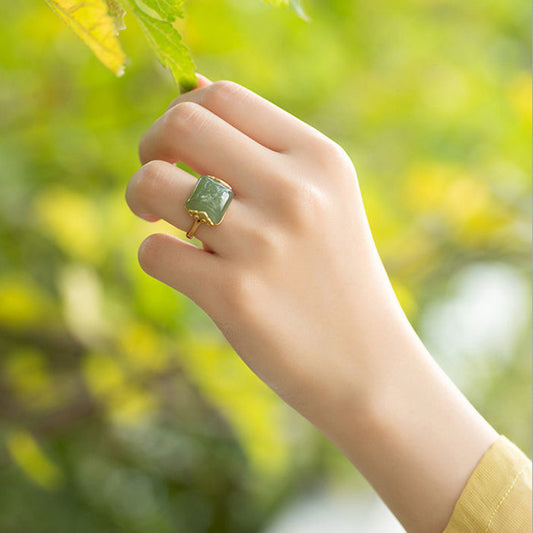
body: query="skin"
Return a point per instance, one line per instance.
(293, 280)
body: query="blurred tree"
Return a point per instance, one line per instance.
(121, 408)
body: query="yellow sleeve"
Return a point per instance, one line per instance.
(497, 496)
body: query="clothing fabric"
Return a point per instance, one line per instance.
(497, 496)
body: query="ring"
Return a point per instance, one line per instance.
(208, 202)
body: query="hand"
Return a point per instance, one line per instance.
(293, 280)
(291, 276)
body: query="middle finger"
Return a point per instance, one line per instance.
(194, 135)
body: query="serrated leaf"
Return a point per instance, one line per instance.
(90, 20)
(169, 10)
(157, 18)
(295, 5)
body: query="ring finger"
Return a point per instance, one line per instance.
(161, 189)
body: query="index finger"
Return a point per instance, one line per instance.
(254, 116)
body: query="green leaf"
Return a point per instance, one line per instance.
(168, 9)
(91, 21)
(157, 18)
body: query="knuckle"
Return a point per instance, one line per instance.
(336, 162)
(302, 203)
(329, 153)
(334, 150)
(150, 181)
(218, 93)
(182, 117)
(325, 152)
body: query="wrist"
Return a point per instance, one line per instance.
(408, 430)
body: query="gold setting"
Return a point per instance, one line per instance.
(202, 216)
(220, 181)
(199, 217)
(194, 227)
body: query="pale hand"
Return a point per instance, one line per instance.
(293, 280)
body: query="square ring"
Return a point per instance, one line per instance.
(209, 200)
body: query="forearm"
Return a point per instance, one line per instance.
(407, 429)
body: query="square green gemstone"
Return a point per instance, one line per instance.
(209, 200)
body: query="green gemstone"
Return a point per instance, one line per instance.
(209, 200)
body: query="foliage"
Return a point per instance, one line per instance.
(96, 22)
(157, 21)
(121, 408)
(95, 25)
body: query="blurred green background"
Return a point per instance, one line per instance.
(121, 407)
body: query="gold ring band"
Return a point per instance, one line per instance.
(194, 227)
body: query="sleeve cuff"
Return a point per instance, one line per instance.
(497, 496)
